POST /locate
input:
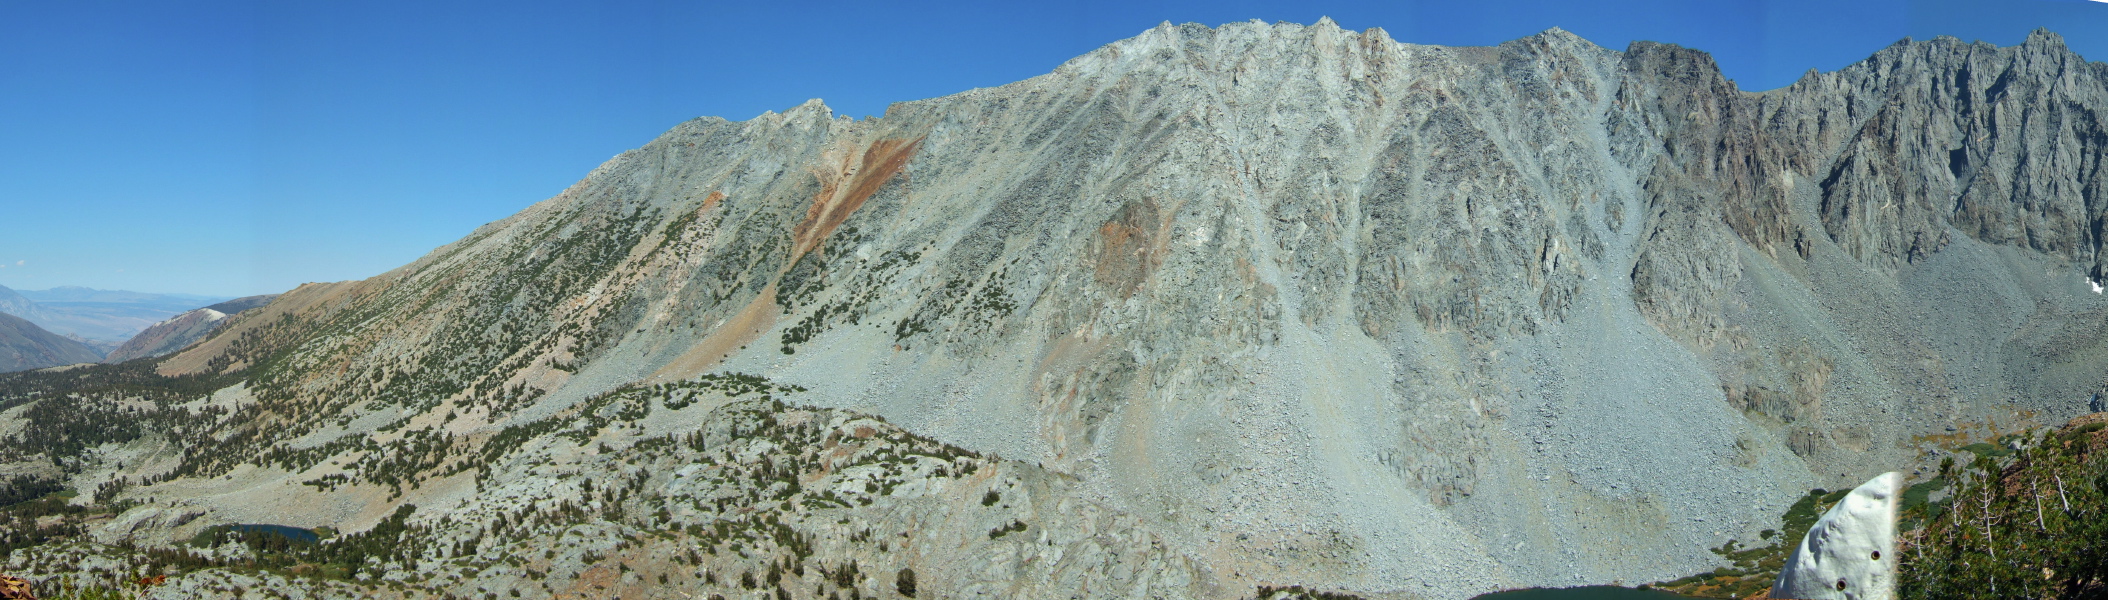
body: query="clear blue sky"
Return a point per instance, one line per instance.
(245, 147)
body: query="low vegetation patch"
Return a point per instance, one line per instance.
(2027, 523)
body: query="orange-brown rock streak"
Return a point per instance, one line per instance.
(842, 194)
(1130, 246)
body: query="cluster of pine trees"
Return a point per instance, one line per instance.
(2033, 524)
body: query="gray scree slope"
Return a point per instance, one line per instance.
(1314, 306)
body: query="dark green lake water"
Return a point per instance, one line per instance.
(1593, 592)
(292, 533)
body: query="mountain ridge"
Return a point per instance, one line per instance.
(24, 346)
(184, 329)
(1311, 306)
(103, 319)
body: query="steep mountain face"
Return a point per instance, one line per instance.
(1302, 305)
(24, 345)
(183, 330)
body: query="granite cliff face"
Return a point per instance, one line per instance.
(1292, 305)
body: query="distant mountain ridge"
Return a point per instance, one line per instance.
(74, 293)
(100, 317)
(14, 303)
(24, 345)
(184, 329)
(243, 303)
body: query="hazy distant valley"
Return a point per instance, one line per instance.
(1202, 313)
(101, 319)
(70, 325)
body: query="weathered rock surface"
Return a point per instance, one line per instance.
(1850, 553)
(1300, 305)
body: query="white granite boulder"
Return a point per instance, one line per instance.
(1850, 552)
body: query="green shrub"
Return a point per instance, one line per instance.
(904, 582)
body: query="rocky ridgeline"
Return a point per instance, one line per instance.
(1269, 305)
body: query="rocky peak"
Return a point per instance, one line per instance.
(1559, 38)
(2044, 41)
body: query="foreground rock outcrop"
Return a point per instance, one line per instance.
(1288, 305)
(714, 492)
(1851, 551)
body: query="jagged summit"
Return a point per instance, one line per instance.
(1559, 36)
(2043, 38)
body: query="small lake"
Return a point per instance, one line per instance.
(1593, 592)
(292, 533)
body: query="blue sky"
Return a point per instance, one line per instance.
(245, 147)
